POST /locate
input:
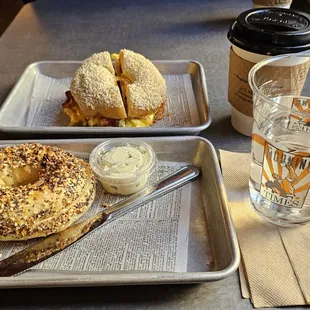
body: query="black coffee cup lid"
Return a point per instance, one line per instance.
(271, 31)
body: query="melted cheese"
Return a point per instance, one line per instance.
(115, 56)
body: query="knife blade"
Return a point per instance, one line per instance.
(49, 246)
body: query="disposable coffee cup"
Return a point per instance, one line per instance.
(256, 35)
(285, 4)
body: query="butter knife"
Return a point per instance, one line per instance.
(55, 243)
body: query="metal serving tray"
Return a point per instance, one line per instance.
(14, 111)
(213, 252)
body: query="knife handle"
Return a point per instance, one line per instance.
(173, 181)
(48, 247)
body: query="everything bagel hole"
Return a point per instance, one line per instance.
(22, 176)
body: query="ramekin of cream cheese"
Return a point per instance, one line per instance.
(123, 166)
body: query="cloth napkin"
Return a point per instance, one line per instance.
(275, 265)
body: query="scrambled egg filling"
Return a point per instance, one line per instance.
(77, 117)
(75, 114)
(137, 122)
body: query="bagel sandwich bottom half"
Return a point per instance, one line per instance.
(130, 92)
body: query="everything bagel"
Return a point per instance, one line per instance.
(43, 190)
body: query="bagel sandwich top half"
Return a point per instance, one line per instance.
(130, 93)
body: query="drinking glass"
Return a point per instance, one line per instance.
(280, 167)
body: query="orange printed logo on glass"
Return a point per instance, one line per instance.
(285, 178)
(296, 121)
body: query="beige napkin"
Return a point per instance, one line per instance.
(275, 265)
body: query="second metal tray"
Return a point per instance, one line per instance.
(213, 252)
(13, 113)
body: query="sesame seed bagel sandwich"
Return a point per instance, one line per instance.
(129, 93)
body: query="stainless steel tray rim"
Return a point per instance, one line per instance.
(134, 278)
(223, 196)
(127, 130)
(80, 61)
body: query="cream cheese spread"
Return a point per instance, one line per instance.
(123, 160)
(124, 169)
(123, 166)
